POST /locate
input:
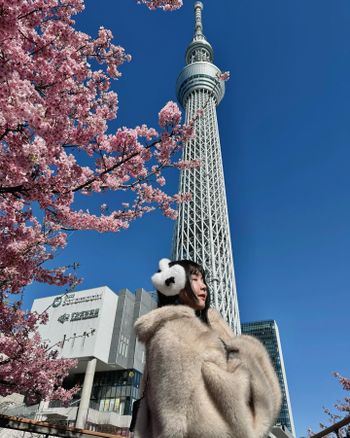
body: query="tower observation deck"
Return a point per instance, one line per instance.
(202, 231)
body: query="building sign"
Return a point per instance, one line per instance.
(77, 316)
(63, 318)
(66, 300)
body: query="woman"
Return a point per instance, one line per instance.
(200, 380)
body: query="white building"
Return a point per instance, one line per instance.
(95, 326)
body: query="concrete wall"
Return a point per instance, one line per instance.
(144, 303)
(82, 322)
(126, 351)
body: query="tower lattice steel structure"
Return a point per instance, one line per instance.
(202, 231)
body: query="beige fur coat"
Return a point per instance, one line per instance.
(203, 381)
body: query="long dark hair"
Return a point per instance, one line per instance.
(191, 268)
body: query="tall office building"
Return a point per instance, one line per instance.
(202, 231)
(267, 332)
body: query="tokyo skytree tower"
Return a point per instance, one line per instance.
(202, 231)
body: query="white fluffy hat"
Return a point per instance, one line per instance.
(170, 280)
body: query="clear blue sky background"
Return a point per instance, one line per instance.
(285, 129)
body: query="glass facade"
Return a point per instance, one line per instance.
(267, 333)
(112, 391)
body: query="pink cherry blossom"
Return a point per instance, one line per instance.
(187, 164)
(343, 408)
(54, 144)
(224, 76)
(54, 105)
(166, 5)
(169, 115)
(161, 180)
(27, 364)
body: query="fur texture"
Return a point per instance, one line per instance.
(203, 381)
(170, 280)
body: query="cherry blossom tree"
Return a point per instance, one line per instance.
(54, 108)
(55, 105)
(343, 408)
(28, 365)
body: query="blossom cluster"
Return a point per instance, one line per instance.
(170, 115)
(166, 5)
(345, 383)
(224, 76)
(27, 365)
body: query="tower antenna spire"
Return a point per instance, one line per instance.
(199, 48)
(198, 7)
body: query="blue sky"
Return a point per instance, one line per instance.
(284, 125)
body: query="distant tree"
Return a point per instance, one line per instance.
(54, 145)
(343, 407)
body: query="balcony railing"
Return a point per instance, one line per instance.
(48, 430)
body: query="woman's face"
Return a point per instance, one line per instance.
(200, 290)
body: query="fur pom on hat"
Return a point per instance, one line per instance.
(170, 280)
